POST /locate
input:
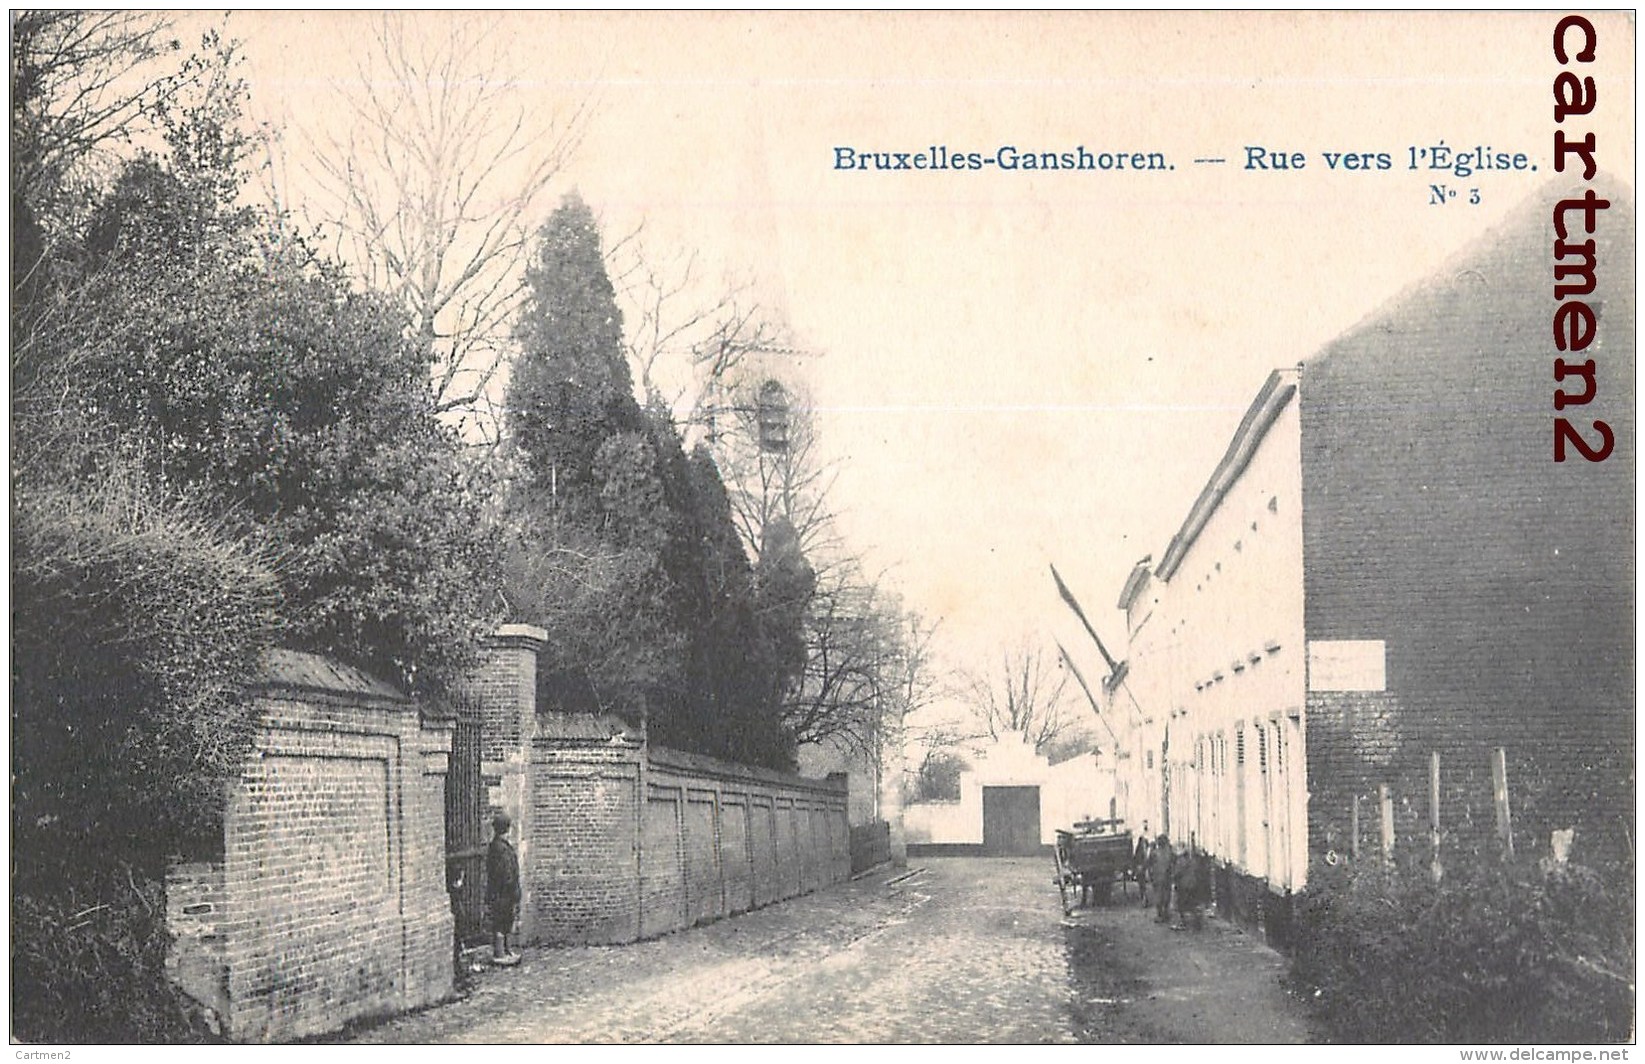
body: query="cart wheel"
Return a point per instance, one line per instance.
(1062, 878)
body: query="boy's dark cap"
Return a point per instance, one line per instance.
(501, 823)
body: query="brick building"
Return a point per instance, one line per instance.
(1387, 564)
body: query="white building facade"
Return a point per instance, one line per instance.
(1012, 801)
(1208, 707)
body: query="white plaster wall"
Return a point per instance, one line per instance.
(1222, 652)
(930, 822)
(1069, 791)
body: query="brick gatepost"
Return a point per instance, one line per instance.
(506, 684)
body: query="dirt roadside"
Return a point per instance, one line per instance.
(1136, 981)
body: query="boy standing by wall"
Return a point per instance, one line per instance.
(502, 890)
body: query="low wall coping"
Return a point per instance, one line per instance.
(529, 636)
(703, 765)
(298, 670)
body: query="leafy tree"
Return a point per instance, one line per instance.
(220, 444)
(786, 585)
(134, 624)
(571, 389)
(585, 561)
(178, 362)
(139, 607)
(937, 777)
(251, 375)
(625, 548)
(745, 649)
(137, 614)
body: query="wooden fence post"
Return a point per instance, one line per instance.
(1499, 797)
(1353, 829)
(1385, 802)
(1433, 814)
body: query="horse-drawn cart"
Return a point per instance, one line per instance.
(1092, 857)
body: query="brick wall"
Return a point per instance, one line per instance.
(870, 845)
(630, 842)
(198, 960)
(620, 840)
(1354, 743)
(329, 903)
(506, 686)
(582, 865)
(662, 863)
(1501, 582)
(736, 856)
(723, 851)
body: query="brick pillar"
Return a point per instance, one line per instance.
(506, 684)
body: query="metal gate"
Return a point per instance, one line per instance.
(465, 824)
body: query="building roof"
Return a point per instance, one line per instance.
(1275, 394)
(1523, 231)
(1134, 583)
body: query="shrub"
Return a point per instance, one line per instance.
(135, 623)
(88, 947)
(1495, 952)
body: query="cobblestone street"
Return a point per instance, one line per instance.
(952, 950)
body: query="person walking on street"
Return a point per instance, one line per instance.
(1190, 872)
(1160, 877)
(502, 890)
(1139, 864)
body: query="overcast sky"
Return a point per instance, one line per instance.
(1029, 368)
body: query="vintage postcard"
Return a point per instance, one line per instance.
(825, 527)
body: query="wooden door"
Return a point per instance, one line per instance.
(1010, 821)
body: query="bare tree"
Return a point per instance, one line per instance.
(867, 667)
(434, 188)
(839, 696)
(767, 447)
(1025, 695)
(914, 675)
(686, 333)
(83, 85)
